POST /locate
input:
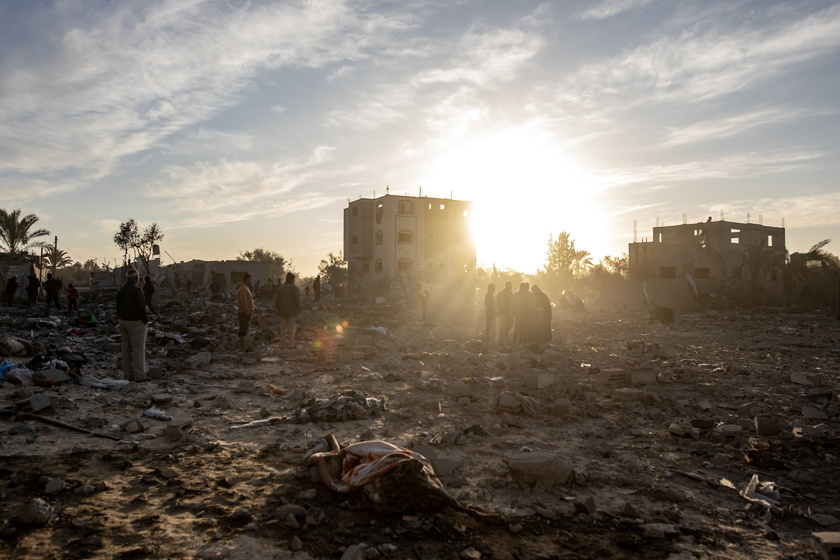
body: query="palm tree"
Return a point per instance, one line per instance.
(57, 258)
(581, 262)
(799, 273)
(15, 232)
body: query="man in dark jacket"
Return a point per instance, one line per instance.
(131, 310)
(287, 302)
(33, 286)
(51, 287)
(11, 288)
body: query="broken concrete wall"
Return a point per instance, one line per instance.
(628, 295)
(227, 273)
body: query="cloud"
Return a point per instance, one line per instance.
(484, 57)
(748, 164)
(610, 8)
(697, 64)
(209, 193)
(123, 77)
(738, 124)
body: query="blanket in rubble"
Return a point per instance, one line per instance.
(393, 479)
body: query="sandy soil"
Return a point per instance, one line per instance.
(650, 463)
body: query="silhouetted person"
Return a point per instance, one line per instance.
(32, 287)
(542, 320)
(316, 288)
(51, 287)
(504, 308)
(148, 293)
(11, 288)
(287, 303)
(490, 313)
(524, 311)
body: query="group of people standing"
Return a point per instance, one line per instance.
(524, 315)
(52, 286)
(286, 302)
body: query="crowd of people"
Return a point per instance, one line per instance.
(523, 316)
(51, 288)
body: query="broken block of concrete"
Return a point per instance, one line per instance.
(643, 376)
(249, 358)
(827, 544)
(561, 407)
(55, 376)
(460, 389)
(613, 376)
(546, 468)
(36, 403)
(813, 412)
(728, 433)
(748, 410)
(539, 380)
(133, 426)
(155, 372)
(767, 425)
(199, 360)
(807, 379)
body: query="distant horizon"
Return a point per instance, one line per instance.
(238, 125)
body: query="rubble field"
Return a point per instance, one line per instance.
(711, 437)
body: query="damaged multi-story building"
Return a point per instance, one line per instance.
(408, 237)
(712, 259)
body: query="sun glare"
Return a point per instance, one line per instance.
(525, 187)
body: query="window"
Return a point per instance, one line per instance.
(405, 265)
(668, 272)
(443, 206)
(466, 213)
(378, 266)
(735, 240)
(354, 240)
(769, 240)
(405, 237)
(378, 237)
(354, 211)
(365, 268)
(406, 207)
(701, 273)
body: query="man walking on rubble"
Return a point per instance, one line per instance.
(131, 311)
(32, 287)
(244, 308)
(542, 320)
(490, 313)
(504, 307)
(288, 307)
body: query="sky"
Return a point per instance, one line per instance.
(238, 124)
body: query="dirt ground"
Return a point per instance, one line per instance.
(657, 470)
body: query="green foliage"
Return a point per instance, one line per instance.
(128, 238)
(264, 256)
(333, 270)
(16, 234)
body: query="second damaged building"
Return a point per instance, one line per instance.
(723, 260)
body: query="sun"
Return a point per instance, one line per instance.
(525, 186)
